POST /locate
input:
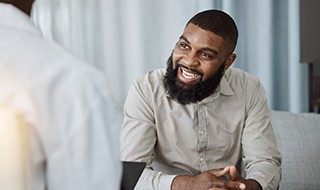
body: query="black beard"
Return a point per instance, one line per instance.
(186, 94)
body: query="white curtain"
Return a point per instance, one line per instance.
(126, 38)
(269, 48)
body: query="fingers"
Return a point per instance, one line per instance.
(220, 172)
(242, 186)
(220, 184)
(231, 182)
(228, 185)
(234, 175)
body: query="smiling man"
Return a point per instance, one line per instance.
(196, 121)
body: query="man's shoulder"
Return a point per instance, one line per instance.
(153, 77)
(237, 74)
(150, 82)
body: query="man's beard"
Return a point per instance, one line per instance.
(186, 94)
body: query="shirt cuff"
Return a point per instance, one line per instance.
(154, 180)
(166, 181)
(266, 182)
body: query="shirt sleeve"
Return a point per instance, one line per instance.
(153, 180)
(138, 138)
(261, 156)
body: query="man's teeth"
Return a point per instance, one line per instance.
(188, 75)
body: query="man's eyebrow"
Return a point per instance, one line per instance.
(184, 38)
(210, 49)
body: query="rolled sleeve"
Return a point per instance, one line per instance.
(153, 180)
(269, 178)
(262, 158)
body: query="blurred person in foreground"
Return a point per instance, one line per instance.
(74, 140)
(194, 122)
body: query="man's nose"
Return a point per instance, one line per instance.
(192, 60)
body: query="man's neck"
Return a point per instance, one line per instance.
(23, 5)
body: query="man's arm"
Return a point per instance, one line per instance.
(211, 180)
(261, 156)
(250, 184)
(138, 137)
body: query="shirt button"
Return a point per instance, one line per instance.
(201, 159)
(202, 132)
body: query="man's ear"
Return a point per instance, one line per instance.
(230, 59)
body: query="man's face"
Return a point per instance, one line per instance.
(197, 65)
(198, 55)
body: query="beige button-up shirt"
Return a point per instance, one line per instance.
(228, 127)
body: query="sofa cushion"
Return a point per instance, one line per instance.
(298, 138)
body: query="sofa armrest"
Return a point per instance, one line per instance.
(298, 138)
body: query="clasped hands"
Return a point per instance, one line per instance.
(215, 179)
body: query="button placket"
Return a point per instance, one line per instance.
(202, 162)
(202, 137)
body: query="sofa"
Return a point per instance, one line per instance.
(298, 138)
(297, 135)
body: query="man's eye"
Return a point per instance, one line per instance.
(184, 46)
(206, 55)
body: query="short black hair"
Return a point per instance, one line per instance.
(218, 22)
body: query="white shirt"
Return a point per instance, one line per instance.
(230, 126)
(71, 123)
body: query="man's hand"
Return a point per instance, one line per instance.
(215, 179)
(208, 180)
(250, 183)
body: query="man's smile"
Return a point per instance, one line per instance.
(188, 76)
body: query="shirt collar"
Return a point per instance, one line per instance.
(224, 88)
